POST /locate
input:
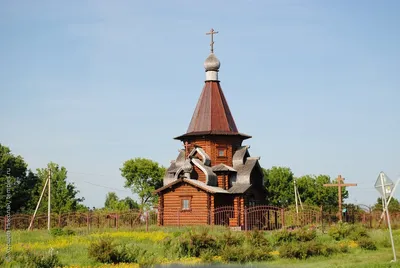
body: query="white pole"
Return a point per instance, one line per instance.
(37, 206)
(388, 217)
(390, 198)
(298, 195)
(49, 206)
(295, 195)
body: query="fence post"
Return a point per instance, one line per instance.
(147, 221)
(322, 219)
(245, 218)
(5, 223)
(88, 220)
(283, 218)
(116, 219)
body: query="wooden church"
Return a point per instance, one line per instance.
(213, 169)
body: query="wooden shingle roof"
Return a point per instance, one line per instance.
(212, 115)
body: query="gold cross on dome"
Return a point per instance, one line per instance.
(212, 32)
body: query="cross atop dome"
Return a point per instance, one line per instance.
(212, 32)
(212, 63)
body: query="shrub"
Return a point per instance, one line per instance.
(56, 232)
(103, 250)
(307, 249)
(343, 230)
(192, 244)
(106, 251)
(61, 232)
(257, 239)
(42, 260)
(245, 254)
(358, 232)
(304, 235)
(228, 239)
(300, 235)
(366, 243)
(283, 236)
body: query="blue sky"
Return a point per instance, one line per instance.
(90, 84)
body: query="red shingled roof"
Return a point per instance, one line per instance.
(212, 115)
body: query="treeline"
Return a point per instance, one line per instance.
(142, 177)
(20, 187)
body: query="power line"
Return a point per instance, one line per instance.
(95, 184)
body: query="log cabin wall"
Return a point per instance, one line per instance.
(212, 146)
(173, 214)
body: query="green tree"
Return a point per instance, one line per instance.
(20, 181)
(278, 182)
(63, 194)
(394, 205)
(132, 204)
(313, 192)
(143, 176)
(113, 203)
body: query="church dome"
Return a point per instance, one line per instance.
(212, 63)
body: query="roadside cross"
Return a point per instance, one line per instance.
(340, 183)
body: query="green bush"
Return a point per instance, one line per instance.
(229, 239)
(304, 235)
(343, 230)
(61, 232)
(366, 243)
(39, 260)
(56, 231)
(300, 235)
(307, 249)
(191, 244)
(284, 236)
(257, 239)
(245, 254)
(105, 250)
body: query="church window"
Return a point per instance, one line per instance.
(221, 152)
(185, 202)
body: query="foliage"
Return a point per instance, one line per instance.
(104, 250)
(113, 203)
(21, 181)
(394, 205)
(257, 239)
(245, 254)
(63, 194)
(297, 235)
(313, 192)
(42, 260)
(342, 231)
(143, 176)
(62, 232)
(192, 244)
(366, 243)
(278, 182)
(307, 249)
(228, 239)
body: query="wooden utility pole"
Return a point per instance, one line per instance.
(340, 183)
(38, 204)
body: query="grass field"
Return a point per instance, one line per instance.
(72, 250)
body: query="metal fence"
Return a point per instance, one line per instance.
(255, 217)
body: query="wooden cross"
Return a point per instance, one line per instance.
(212, 32)
(340, 183)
